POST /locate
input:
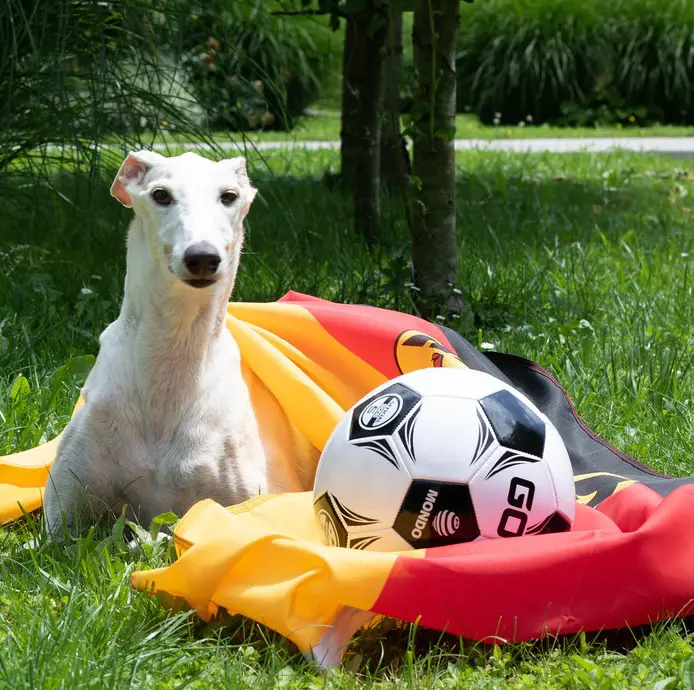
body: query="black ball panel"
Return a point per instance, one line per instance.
(334, 532)
(436, 514)
(381, 414)
(554, 523)
(515, 425)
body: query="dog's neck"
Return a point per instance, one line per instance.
(172, 324)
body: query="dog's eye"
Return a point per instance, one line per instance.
(162, 197)
(228, 197)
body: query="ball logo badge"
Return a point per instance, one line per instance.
(381, 411)
(328, 529)
(445, 523)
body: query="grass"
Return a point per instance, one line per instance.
(324, 125)
(581, 262)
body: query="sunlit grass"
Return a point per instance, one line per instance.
(324, 125)
(580, 262)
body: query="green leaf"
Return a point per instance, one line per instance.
(119, 525)
(20, 389)
(73, 373)
(587, 664)
(419, 109)
(141, 535)
(159, 521)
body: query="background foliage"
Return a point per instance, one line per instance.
(78, 72)
(580, 262)
(250, 68)
(82, 72)
(577, 62)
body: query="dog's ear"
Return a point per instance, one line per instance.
(238, 167)
(132, 170)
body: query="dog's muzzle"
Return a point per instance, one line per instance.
(201, 261)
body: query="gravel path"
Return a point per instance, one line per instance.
(674, 146)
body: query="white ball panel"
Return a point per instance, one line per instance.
(447, 441)
(363, 480)
(461, 383)
(559, 464)
(511, 495)
(327, 470)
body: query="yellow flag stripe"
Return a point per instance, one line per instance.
(267, 561)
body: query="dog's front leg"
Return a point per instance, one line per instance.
(74, 490)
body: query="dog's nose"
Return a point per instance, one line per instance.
(201, 259)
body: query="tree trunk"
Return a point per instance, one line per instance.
(350, 103)
(432, 211)
(395, 160)
(362, 102)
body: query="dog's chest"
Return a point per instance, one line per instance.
(175, 438)
(161, 468)
(174, 434)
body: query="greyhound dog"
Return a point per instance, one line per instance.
(168, 419)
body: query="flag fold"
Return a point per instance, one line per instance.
(627, 561)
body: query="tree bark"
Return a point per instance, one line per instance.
(350, 102)
(432, 210)
(395, 160)
(362, 103)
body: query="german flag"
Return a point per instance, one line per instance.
(627, 560)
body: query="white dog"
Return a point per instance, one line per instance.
(167, 419)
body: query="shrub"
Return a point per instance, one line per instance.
(77, 72)
(82, 72)
(251, 69)
(655, 61)
(577, 61)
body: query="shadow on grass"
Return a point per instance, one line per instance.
(542, 239)
(390, 646)
(500, 204)
(536, 242)
(65, 234)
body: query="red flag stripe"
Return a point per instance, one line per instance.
(587, 579)
(369, 332)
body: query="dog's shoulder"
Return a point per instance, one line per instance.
(110, 389)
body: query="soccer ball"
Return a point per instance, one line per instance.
(442, 456)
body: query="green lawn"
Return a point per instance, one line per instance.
(325, 126)
(581, 262)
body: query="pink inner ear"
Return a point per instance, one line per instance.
(133, 171)
(129, 171)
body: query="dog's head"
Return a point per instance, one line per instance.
(192, 210)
